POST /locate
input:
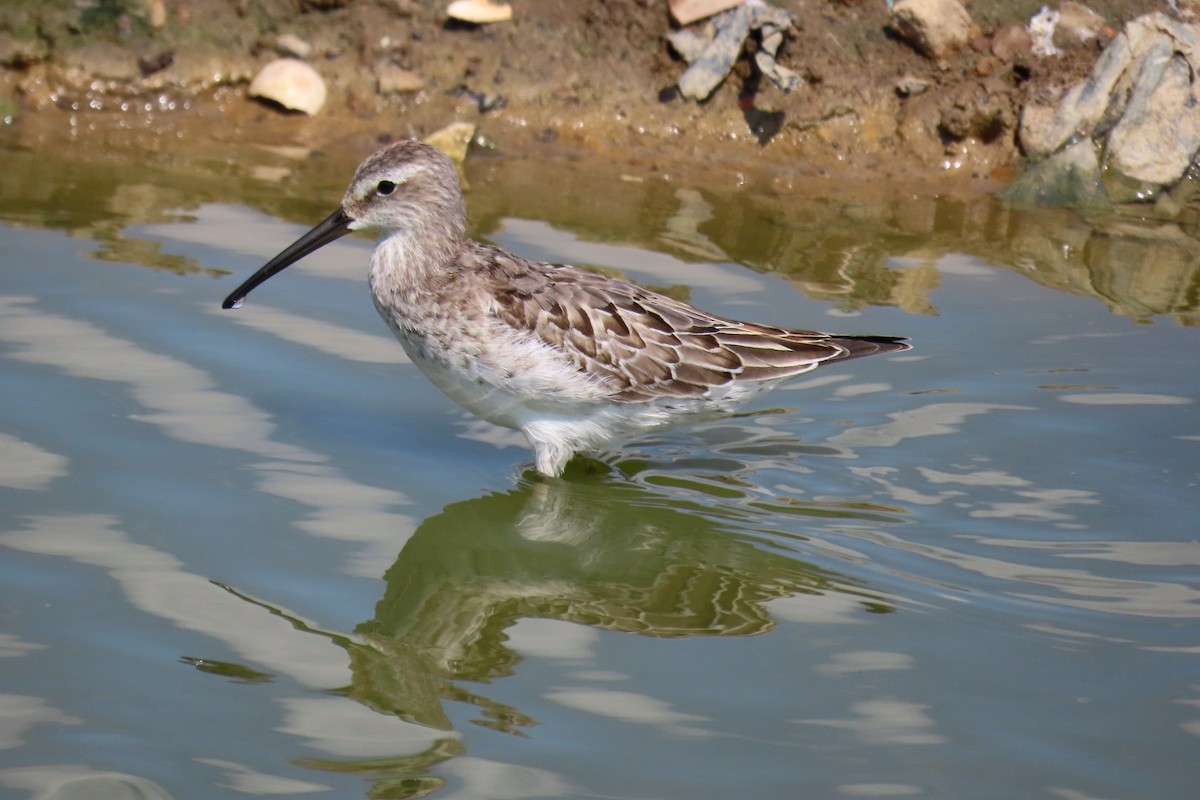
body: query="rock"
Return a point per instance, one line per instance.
(479, 12)
(157, 62)
(1159, 133)
(290, 83)
(1140, 103)
(685, 12)
(1011, 42)
(937, 28)
(910, 86)
(1043, 130)
(394, 80)
(453, 140)
(1077, 25)
(1069, 178)
(290, 45)
(156, 14)
(712, 54)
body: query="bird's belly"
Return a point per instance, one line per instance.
(483, 399)
(503, 394)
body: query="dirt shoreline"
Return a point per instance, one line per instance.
(594, 76)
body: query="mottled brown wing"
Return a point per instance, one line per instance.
(644, 345)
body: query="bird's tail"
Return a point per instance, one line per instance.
(859, 346)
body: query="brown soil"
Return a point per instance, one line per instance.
(594, 75)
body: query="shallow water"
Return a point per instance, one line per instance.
(253, 552)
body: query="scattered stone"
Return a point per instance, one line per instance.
(152, 64)
(936, 28)
(1011, 42)
(910, 86)
(394, 80)
(290, 83)
(480, 12)
(685, 12)
(156, 14)
(1041, 31)
(1077, 25)
(711, 54)
(290, 45)
(453, 140)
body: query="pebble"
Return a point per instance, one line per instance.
(393, 79)
(292, 84)
(479, 11)
(156, 13)
(909, 86)
(291, 45)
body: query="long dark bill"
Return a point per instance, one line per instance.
(332, 227)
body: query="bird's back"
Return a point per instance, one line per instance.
(645, 346)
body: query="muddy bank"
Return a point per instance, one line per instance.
(595, 75)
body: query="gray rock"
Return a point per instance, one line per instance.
(1140, 101)
(711, 54)
(1071, 177)
(1159, 133)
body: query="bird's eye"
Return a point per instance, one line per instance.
(385, 188)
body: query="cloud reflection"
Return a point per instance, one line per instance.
(887, 722)
(27, 466)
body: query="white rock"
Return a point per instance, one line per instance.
(291, 45)
(479, 11)
(935, 27)
(290, 83)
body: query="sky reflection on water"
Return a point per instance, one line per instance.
(254, 552)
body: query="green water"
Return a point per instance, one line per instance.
(254, 552)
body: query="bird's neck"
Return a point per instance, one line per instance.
(414, 258)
